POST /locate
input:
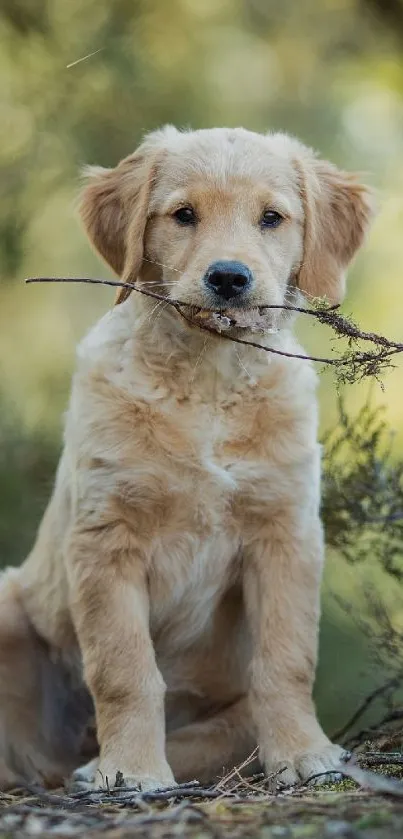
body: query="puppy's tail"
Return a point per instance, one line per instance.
(43, 715)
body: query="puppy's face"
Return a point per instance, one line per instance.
(226, 218)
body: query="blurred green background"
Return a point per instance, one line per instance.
(329, 71)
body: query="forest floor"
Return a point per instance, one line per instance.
(366, 804)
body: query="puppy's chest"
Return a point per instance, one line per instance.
(237, 437)
(226, 478)
(208, 473)
(203, 458)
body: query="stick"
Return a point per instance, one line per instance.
(369, 361)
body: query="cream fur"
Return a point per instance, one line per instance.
(176, 572)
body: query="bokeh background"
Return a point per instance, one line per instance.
(329, 71)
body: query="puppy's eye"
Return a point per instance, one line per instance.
(271, 219)
(185, 215)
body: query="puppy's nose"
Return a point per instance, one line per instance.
(228, 279)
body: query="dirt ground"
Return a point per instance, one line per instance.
(366, 804)
(328, 814)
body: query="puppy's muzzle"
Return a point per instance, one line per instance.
(228, 280)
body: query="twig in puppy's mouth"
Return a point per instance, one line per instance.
(353, 365)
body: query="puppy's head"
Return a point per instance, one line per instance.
(226, 218)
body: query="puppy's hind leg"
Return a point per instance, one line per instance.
(41, 717)
(205, 750)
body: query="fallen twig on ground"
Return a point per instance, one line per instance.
(382, 758)
(367, 733)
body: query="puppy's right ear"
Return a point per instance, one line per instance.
(104, 213)
(114, 210)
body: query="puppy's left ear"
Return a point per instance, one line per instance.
(114, 210)
(338, 211)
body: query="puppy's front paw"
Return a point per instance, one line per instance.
(108, 777)
(95, 776)
(301, 767)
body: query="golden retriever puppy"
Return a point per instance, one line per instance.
(174, 584)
